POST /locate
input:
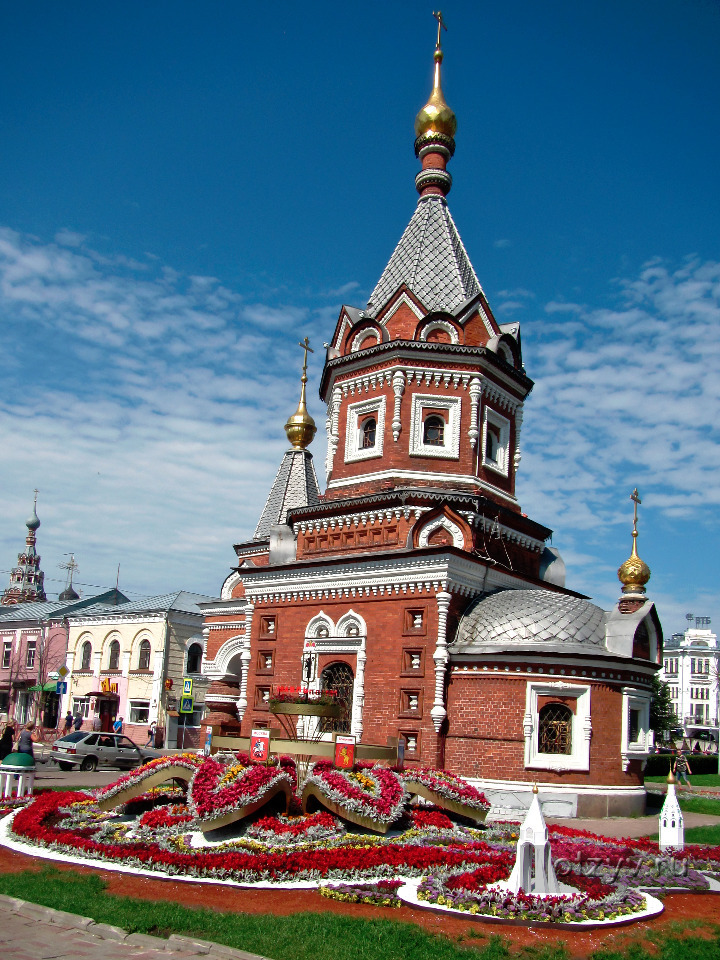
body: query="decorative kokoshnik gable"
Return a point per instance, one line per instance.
(415, 587)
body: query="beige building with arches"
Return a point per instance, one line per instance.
(129, 660)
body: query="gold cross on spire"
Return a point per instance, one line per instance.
(441, 25)
(635, 497)
(305, 344)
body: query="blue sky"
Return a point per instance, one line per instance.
(185, 189)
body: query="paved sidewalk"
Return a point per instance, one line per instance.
(631, 826)
(31, 932)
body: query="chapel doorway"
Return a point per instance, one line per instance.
(338, 677)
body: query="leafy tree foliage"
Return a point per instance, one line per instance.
(663, 718)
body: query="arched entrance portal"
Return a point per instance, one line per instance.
(338, 677)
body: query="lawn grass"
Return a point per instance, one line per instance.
(708, 835)
(701, 780)
(322, 936)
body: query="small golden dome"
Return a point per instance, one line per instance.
(436, 116)
(300, 427)
(634, 573)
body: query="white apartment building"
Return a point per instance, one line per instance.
(690, 668)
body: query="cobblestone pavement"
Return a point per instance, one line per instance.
(31, 932)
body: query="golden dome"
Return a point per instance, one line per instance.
(300, 427)
(634, 573)
(436, 116)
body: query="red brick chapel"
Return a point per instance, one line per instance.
(415, 586)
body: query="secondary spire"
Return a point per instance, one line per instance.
(300, 427)
(27, 579)
(634, 573)
(435, 127)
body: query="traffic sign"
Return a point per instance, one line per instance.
(187, 687)
(63, 671)
(60, 687)
(186, 705)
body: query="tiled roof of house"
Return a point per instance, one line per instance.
(431, 260)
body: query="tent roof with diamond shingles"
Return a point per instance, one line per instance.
(295, 486)
(430, 260)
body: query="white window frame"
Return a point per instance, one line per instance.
(356, 413)
(30, 648)
(424, 405)
(635, 698)
(7, 654)
(139, 705)
(502, 464)
(81, 705)
(579, 758)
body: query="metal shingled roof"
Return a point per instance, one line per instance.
(512, 617)
(295, 486)
(431, 260)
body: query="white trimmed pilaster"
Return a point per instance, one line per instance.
(332, 424)
(398, 384)
(359, 693)
(475, 394)
(440, 656)
(245, 657)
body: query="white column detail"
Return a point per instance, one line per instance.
(475, 394)
(157, 686)
(398, 384)
(359, 693)
(438, 712)
(245, 657)
(518, 424)
(333, 429)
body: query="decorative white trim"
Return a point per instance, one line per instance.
(635, 698)
(440, 657)
(363, 335)
(579, 759)
(355, 413)
(332, 425)
(467, 479)
(475, 395)
(398, 384)
(402, 299)
(439, 325)
(230, 583)
(442, 523)
(450, 450)
(245, 658)
(357, 519)
(502, 425)
(344, 327)
(218, 668)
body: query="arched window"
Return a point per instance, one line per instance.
(338, 677)
(144, 655)
(492, 443)
(369, 428)
(86, 655)
(555, 729)
(114, 658)
(194, 658)
(434, 431)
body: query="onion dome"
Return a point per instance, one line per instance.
(435, 128)
(300, 427)
(32, 522)
(69, 594)
(436, 116)
(634, 573)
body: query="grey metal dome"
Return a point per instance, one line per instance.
(530, 618)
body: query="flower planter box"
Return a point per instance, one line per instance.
(173, 772)
(308, 709)
(454, 806)
(312, 791)
(239, 813)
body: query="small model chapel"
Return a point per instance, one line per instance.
(414, 586)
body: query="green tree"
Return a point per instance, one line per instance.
(663, 718)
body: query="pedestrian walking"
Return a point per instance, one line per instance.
(118, 725)
(68, 723)
(681, 768)
(78, 721)
(151, 735)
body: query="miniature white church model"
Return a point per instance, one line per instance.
(672, 831)
(534, 875)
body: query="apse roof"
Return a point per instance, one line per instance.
(535, 618)
(431, 260)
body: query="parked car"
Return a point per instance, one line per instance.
(89, 750)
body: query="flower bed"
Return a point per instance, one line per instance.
(288, 830)
(382, 893)
(221, 793)
(447, 790)
(371, 797)
(176, 766)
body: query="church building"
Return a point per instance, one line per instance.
(415, 586)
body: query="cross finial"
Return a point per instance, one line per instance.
(635, 497)
(36, 491)
(71, 567)
(305, 344)
(441, 25)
